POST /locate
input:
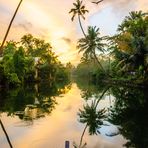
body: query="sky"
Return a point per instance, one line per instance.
(50, 20)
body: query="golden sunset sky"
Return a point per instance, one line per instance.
(49, 20)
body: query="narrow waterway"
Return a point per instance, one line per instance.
(52, 129)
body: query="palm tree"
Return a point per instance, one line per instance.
(91, 117)
(133, 37)
(130, 20)
(10, 24)
(91, 43)
(79, 10)
(75, 145)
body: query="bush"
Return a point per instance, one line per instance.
(13, 79)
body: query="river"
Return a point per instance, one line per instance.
(44, 123)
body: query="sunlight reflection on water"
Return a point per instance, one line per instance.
(52, 131)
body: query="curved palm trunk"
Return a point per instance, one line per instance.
(82, 135)
(1, 47)
(3, 128)
(81, 26)
(98, 62)
(101, 97)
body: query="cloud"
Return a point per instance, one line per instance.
(4, 9)
(142, 5)
(24, 25)
(67, 40)
(120, 7)
(51, 21)
(67, 108)
(110, 13)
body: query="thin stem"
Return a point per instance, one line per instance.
(82, 135)
(81, 26)
(110, 98)
(1, 47)
(101, 97)
(7, 137)
(109, 64)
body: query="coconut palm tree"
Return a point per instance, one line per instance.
(91, 43)
(132, 39)
(75, 145)
(10, 24)
(80, 11)
(131, 21)
(92, 117)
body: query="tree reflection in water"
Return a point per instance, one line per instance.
(91, 115)
(32, 102)
(5, 132)
(129, 113)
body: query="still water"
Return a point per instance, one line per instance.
(46, 119)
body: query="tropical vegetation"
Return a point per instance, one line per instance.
(125, 58)
(30, 60)
(106, 61)
(120, 60)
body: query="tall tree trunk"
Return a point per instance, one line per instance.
(10, 24)
(81, 26)
(3, 128)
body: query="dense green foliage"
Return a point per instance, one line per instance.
(30, 60)
(130, 46)
(127, 52)
(130, 113)
(124, 63)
